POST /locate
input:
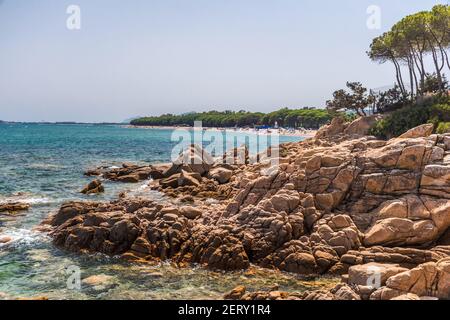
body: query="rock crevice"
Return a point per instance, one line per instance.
(334, 201)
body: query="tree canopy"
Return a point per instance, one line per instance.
(406, 45)
(409, 42)
(357, 100)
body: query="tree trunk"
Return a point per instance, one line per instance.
(398, 71)
(436, 64)
(422, 72)
(418, 91)
(441, 48)
(411, 80)
(446, 59)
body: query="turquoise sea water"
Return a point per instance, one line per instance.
(43, 165)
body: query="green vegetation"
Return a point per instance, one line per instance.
(305, 118)
(356, 101)
(434, 110)
(443, 127)
(360, 102)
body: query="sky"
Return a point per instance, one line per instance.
(149, 57)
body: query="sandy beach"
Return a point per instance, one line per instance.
(280, 131)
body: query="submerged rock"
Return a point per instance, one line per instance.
(13, 207)
(99, 282)
(235, 294)
(129, 172)
(93, 188)
(5, 239)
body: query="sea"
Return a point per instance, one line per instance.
(43, 165)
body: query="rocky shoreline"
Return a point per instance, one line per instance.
(335, 204)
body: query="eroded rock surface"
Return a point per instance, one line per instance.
(334, 201)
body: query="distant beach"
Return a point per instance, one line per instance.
(280, 131)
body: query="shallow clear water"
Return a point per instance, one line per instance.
(43, 165)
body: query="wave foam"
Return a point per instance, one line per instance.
(45, 166)
(21, 237)
(144, 186)
(30, 200)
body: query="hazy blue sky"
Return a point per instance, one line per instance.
(147, 57)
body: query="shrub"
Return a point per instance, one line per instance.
(441, 112)
(434, 110)
(443, 127)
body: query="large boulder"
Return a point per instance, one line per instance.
(429, 279)
(373, 274)
(193, 159)
(405, 257)
(410, 220)
(421, 131)
(398, 231)
(337, 126)
(70, 210)
(436, 180)
(339, 232)
(221, 175)
(188, 179)
(191, 212)
(181, 179)
(361, 126)
(344, 292)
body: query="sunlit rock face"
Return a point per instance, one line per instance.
(335, 201)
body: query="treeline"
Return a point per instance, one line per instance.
(293, 118)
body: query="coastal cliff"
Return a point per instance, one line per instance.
(335, 202)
